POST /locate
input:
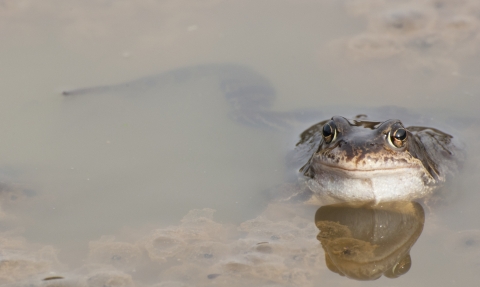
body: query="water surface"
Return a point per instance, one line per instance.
(120, 166)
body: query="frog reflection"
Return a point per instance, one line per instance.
(365, 241)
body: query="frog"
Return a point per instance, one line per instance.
(377, 161)
(341, 159)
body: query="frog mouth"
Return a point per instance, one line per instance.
(372, 170)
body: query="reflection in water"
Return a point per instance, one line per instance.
(364, 242)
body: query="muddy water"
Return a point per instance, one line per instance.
(118, 188)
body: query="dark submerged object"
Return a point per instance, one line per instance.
(249, 94)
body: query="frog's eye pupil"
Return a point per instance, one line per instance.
(401, 134)
(329, 131)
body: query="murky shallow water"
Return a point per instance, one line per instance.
(94, 182)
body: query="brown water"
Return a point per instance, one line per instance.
(92, 183)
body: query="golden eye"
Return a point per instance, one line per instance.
(397, 137)
(400, 268)
(329, 132)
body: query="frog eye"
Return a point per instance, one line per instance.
(397, 136)
(400, 268)
(329, 132)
